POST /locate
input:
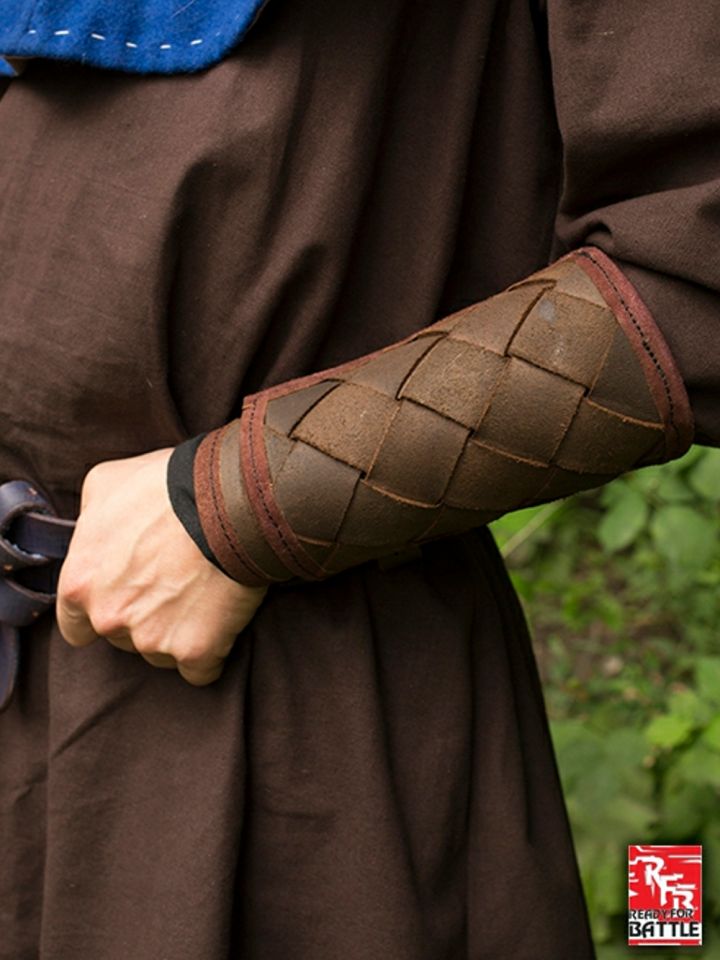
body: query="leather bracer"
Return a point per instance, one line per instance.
(558, 384)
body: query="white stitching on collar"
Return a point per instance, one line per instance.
(128, 43)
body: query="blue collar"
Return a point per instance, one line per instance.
(139, 36)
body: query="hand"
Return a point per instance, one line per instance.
(134, 576)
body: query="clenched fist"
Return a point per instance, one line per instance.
(135, 577)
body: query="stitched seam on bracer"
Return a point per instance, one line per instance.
(644, 337)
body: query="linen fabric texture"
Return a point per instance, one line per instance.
(373, 775)
(559, 384)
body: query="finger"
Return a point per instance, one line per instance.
(124, 642)
(121, 642)
(201, 675)
(162, 660)
(74, 625)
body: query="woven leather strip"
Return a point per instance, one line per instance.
(212, 510)
(558, 384)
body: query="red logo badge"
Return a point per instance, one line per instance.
(664, 896)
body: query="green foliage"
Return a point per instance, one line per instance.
(623, 520)
(622, 589)
(682, 535)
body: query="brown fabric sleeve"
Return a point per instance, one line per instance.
(636, 98)
(558, 384)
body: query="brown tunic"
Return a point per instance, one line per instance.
(372, 777)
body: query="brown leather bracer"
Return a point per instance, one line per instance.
(558, 384)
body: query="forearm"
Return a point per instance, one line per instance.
(558, 384)
(641, 172)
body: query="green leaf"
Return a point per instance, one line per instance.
(711, 736)
(684, 807)
(687, 703)
(672, 489)
(578, 749)
(705, 475)
(707, 677)
(627, 749)
(604, 876)
(523, 527)
(699, 764)
(648, 479)
(695, 453)
(668, 730)
(624, 520)
(683, 536)
(612, 492)
(508, 525)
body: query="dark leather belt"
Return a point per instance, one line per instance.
(33, 544)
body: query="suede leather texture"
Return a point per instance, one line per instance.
(558, 384)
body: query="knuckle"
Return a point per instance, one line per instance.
(161, 660)
(199, 678)
(143, 645)
(147, 641)
(106, 622)
(197, 681)
(122, 643)
(193, 654)
(73, 590)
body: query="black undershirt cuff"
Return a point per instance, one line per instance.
(181, 490)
